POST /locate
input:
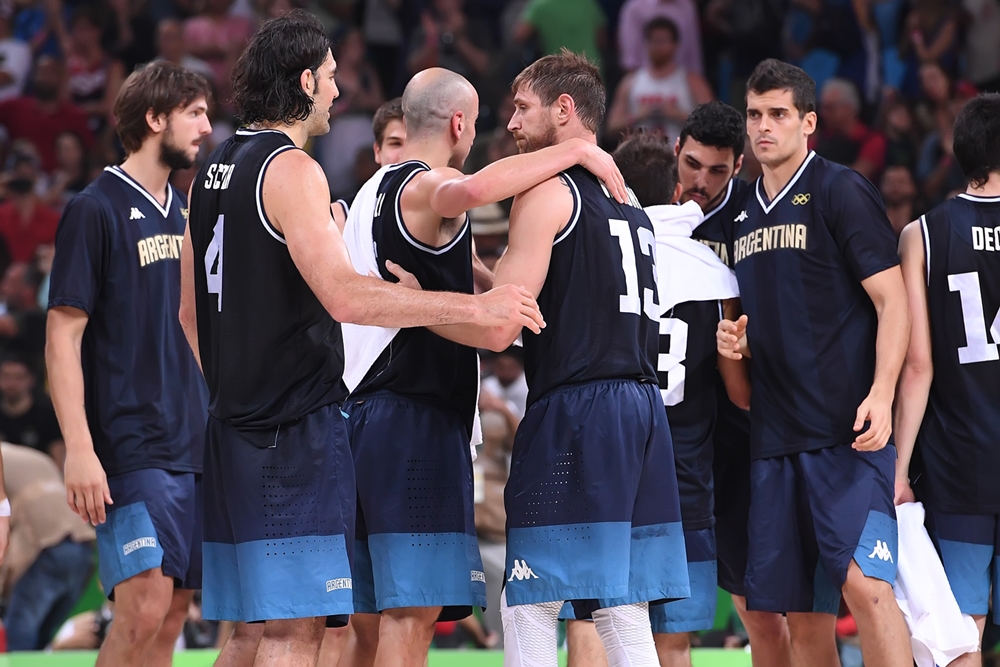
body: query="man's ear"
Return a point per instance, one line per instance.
(677, 193)
(457, 126)
(739, 165)
(156, 123)
(566, 107)
(308, 81)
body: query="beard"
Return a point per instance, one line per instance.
(171, 156)
(530, 144)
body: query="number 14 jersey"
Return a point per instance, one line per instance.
(960, 435)
(270, 351)
(599, 299)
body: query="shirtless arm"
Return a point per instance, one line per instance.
(536, 219)
(297, 200)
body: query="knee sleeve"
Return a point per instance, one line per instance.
(626, 635)
(529, 633)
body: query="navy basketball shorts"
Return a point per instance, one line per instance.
(731, 471)
(811, 514)
(279, 520)
(697, 612)
(415, 544)
(969, 545)
(155, 522)
(592, 506)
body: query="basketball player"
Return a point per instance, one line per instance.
(127, 391)
(592, 510)
(390, 132)
(950, 385)
(416, 401)
(827, 323)
(265, 280)
(709, 156)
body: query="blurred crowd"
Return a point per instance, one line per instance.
(892, 75)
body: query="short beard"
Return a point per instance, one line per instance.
(547, 138)
(172, 157)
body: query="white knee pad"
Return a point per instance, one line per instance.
(529, 633)
(626, 635)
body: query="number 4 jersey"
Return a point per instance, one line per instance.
(270, 352)
(599, 299)
(960, 436)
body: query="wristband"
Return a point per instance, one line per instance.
(5, 507)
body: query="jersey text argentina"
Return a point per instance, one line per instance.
(600, 299)
(270, 351)
(960, 433)
(722, 221)
(800, 260)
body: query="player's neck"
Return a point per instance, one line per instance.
(435, 154)
(776, 176)
(298, 132)
(991, 188)
(146, 169)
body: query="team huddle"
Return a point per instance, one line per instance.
(727, 381)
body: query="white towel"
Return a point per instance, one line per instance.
(939, 632)
(363, 344)
(687, 270)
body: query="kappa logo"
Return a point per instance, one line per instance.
(136, 214)
(521, 571)
(338, 584)
(741, 217)
(881, 551)
(801, 199)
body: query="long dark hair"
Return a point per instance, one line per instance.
(266, 86)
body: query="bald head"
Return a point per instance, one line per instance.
(433, 97)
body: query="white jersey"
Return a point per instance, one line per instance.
(648, 90)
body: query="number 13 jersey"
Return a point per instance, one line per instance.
(599, 299)
(270, 351)
(960, 435)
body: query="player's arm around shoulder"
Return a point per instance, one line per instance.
(918, 368)
(296, 198)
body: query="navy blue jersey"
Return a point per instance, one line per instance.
(688, 349)
(800, 260)
(719, 227)
(270, 350)
(960, 434)
(599, 299)
(117, 259)
(418, 363)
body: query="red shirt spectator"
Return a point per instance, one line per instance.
(25, 224)
(843, 138)
(45, 116)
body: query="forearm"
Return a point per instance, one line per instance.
(891, 343)
(473, 335)
(503, 179)
(62, 360)
(911, 402)
(375, 302)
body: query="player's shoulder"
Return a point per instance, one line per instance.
(97, 198)
(837, 179)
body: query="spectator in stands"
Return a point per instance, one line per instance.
(902, 135)
(635, 14)
(51, 551)
(447, 38)
(490, 474)
(27, 417)
(25, 221)
(22, 326)
(350, 117)
(931, 36)
(936, 95)
(842, 136)
(982, 45)
(508, 382)
(94, 76)
(15, 56)
(390, 132)
(39, 24)
(899, 193)
(218, 38)
(577, 25)
(43, 117)
(171, 47)
(72, 174)
(937, 170)
(659, 95)
(134, 31)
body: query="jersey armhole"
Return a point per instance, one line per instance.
(575, 215)
(259, 191)
(412, 240)
(925, 235)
